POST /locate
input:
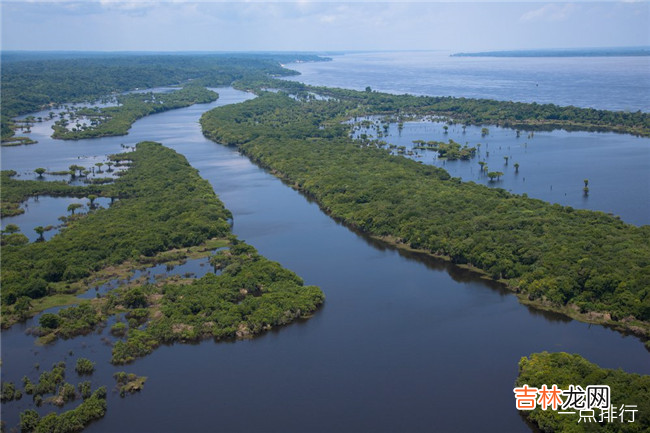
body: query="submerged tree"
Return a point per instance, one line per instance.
(495, 174)
(40, 230)
(73, 207)
(40, 171)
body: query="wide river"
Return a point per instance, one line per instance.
(402, 343)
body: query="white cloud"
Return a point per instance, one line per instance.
(550, 12)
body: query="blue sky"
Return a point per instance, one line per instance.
(178, 25)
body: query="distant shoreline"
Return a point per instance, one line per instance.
(573, 52)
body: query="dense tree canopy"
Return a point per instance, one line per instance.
(563, 369)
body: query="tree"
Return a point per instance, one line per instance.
(484, 132)
(22, 306)
(40, 171)
(516, 167)
(99, 166)
(368, 89)
(495, 174)
(49, 321)
(446, 128)
(586, 181)
(506, 158)
(40, 230)
(110, 164)
(84, 366)
(92, 198)
(10, 229)
(73, 207)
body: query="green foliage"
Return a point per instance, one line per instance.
(251, 295)
(163, 205)
(70, 322)
(72, 421)
(129, 382)
(84, 366)
(111, 121)
(556, 255)
(119, 329)
(84, 389)
(563, 369)
(10, 392)
(29, 420)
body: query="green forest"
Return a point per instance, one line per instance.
(563, 369)
(586, 264)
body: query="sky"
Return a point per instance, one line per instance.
(210, 25)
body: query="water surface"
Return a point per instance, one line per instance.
(611, 83)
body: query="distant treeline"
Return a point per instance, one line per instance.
(31, 82)
(584, 263)
(517, 115)
(574, 52)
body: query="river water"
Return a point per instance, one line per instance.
(402, 343)
(608, 83)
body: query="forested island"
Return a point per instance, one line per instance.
(566, 370)
(585, 264)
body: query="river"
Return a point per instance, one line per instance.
(402, 343)
(606, 83)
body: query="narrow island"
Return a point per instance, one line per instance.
(585, 264)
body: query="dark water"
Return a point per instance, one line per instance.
(611, 83)
(552, 165)
(45, 211)
(403, 343)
